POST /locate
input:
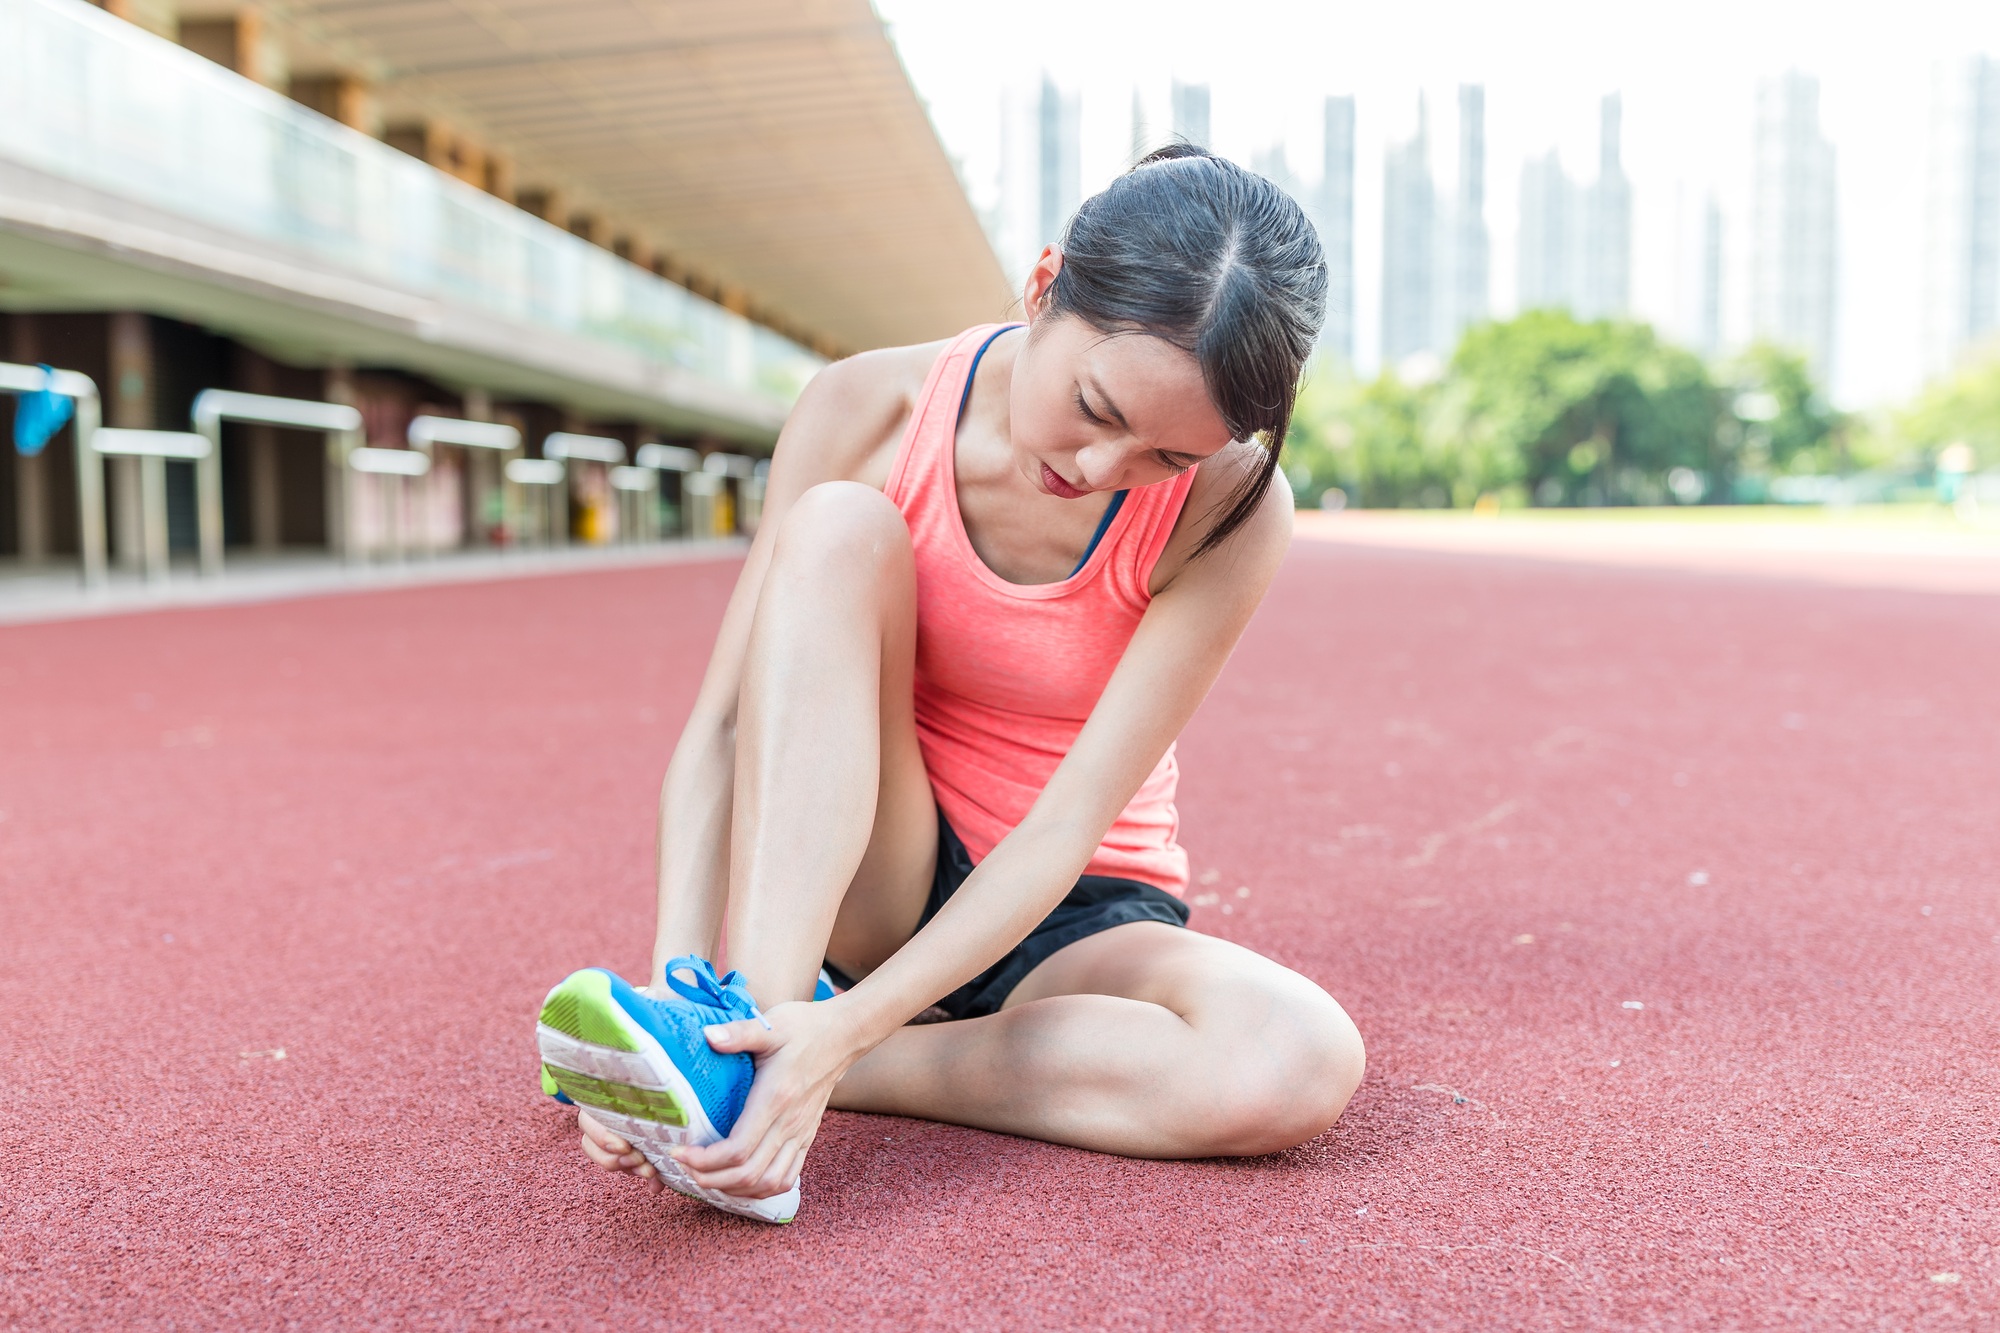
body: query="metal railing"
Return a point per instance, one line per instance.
(338, 422)
(636, 486)
(152, 448)
(82, 391)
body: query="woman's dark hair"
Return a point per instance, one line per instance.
(1218, 261)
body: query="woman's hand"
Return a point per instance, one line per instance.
(614, 1154)
(799, 1060)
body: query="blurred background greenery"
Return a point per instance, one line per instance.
(1545, 410)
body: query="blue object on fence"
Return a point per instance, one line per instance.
(39, 415)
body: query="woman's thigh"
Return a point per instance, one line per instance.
(885, 899)
(1260, 1020)
(1171, 966)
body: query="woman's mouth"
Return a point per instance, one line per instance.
(1059, 488)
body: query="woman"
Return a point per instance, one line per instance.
(934, 747)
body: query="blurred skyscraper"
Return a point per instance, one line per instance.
(1409, 246)
(1793, 226)
(1059, 173)
(1575, 241)
(1334, 212)
(1962, 260)
(1468, 256)
(1191, 112)
(1547, 249)
(1708, 326)
(1607, 241)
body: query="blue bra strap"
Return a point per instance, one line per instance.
(1103, 526)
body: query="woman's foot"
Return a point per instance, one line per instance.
(643, 1069)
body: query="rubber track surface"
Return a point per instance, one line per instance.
(1493, 807)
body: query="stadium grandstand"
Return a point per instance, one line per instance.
(356, 277)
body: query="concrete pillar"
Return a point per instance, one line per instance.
(31, 503)
(339, 389)
(347, 98)
(545, 202)
(482, 476)
(240, 41)
(128, 403)
(266, 490)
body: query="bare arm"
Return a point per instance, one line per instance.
(845, 426)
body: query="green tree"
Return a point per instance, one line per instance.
(1567, 412)
(1963, 407)
(1780, 422)
(1367, 438)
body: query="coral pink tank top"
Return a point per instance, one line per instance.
(1007, 673)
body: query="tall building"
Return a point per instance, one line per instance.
(1607, 232)
(1409, 246)
(1962, 254)
(1058, 159)
(1546, 256)
(1574, 247)
(1708, 316)
(1191, 113)
(1792, 291)
(1334, 213)
(1468, 256)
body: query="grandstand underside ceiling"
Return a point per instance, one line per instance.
(775, 145)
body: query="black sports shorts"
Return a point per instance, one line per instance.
(1097, 903)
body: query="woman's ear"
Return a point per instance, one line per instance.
(1040, 279)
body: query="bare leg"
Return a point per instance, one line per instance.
(833, 834)
(1146, 1040)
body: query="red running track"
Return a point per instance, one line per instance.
(1494, 807)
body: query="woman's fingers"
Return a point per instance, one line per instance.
(746, 1034)
(606, 1149)
(745, 1180)
(608, 1160)
(601, 1136)
(750, 1129)
(782, 1174)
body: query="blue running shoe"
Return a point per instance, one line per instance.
(644, 1070)
(823, 989)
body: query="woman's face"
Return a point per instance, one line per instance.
(1091, 411)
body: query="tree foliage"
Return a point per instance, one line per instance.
(1779, 422)
(1961, 408)
(1540, 409)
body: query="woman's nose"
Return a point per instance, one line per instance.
(1100, 464)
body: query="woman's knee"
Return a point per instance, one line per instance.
(840, 528)
(1288, 1084)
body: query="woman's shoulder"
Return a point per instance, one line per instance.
(1263, 537)
(850, 418)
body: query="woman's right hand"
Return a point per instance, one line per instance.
(614, 1154)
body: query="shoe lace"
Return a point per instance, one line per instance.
(693, 978)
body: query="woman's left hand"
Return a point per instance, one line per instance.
(799, 1060)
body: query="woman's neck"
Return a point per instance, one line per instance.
(1021, 532)
(989, 408)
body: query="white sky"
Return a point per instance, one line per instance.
(1687, 71)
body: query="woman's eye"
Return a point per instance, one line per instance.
(1171, 464)
(1084, 408)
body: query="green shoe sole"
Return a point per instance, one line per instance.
(582, 1007)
